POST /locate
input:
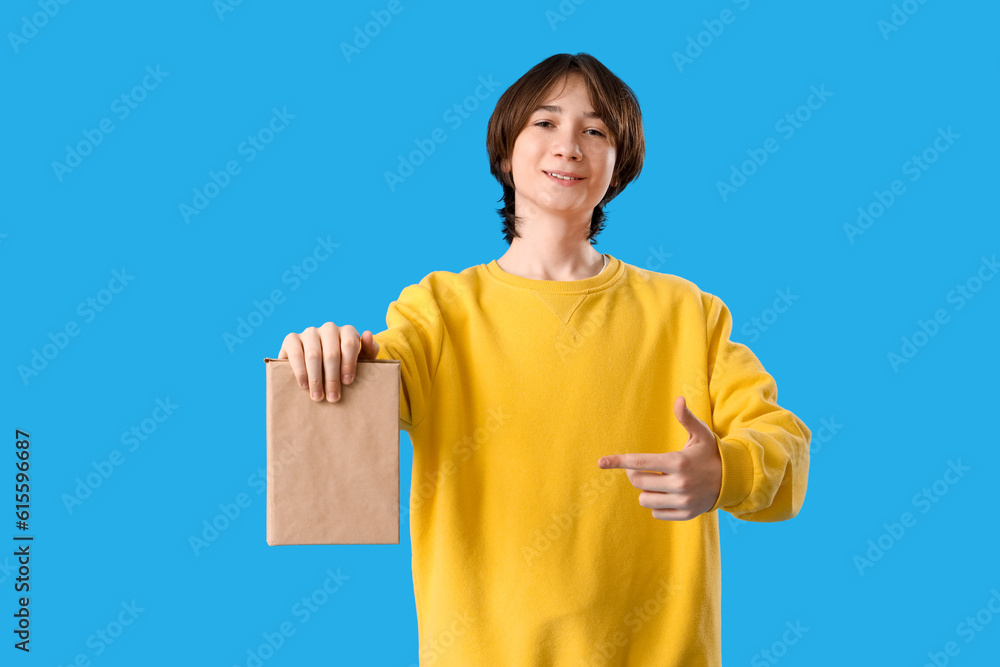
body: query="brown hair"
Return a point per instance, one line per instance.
(617, 105)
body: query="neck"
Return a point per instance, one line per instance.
(539, 261)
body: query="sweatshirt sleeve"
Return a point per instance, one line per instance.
(414, 336)
(764, 447)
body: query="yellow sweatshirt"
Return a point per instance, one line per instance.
(525, 553)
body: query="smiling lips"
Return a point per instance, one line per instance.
(563, 177)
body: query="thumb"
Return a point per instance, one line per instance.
(369, 348)
(684, 415)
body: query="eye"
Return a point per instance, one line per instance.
(543, 123)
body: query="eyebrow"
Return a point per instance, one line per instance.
(555, 109)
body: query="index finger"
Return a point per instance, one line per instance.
(662, 462)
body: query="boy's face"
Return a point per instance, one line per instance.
(563, 140)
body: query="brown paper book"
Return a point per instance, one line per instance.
(333, 468)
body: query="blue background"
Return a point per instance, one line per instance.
(894, 431)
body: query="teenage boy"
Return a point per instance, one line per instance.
(527, 382)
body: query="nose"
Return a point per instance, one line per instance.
(565, 145)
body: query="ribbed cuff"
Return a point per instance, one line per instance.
(737, 473)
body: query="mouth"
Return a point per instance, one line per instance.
(562, 176)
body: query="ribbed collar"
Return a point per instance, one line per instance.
(609, 276)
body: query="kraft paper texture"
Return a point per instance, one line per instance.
(333, 468)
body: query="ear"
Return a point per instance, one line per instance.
(505, 165)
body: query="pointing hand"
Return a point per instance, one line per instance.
(681, 484)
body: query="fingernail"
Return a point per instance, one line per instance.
(317, 395)
(348, 378)
(332, 396)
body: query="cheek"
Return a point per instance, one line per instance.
(517, 156)
(610, 170)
